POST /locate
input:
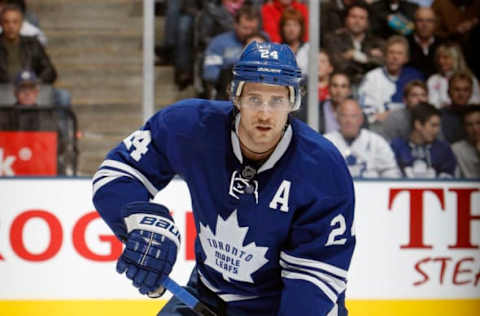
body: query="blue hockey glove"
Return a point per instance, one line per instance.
(151, 246)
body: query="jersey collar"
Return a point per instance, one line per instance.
(276, 154)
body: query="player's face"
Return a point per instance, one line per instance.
(357, 21)
(472, 127)
(396, 57)
(460, 92)
(430, 129)
(339, 88)
(11, 23)
(416, 95)
(27, 95)
(350, 118)
(292, 30)
(263, 114)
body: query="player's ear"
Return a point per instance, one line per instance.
(232, 96)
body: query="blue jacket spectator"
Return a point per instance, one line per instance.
(423, 155)
(224, 49)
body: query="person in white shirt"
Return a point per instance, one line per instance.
(367, 154)
(449, 60)
(382, 88)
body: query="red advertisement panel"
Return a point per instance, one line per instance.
(28, 153)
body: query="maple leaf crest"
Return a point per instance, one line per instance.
(225, 250)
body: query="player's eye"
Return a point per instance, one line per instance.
(255, 101)
(278, 103)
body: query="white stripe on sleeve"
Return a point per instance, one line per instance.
(97, 185)
(308, 263)
(131, 171)
(338, 285)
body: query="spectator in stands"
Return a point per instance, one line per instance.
(423, 42)
(460, 91)
(325, 69)
(177, 46)
(449, 60)
(26, 89)
(27, 28)
(29, 15)
(393, 17)
(354, 49)
(225, 49)
(459, 20)
(397, 124)
(222, 88)
(215, 18)
(422, 155)
(332, 16)
(19, 52)
(292, 30)
(272, 12)
(467, 150)
(26, 115)
(366, 153)
(382, 88)
(340, 90)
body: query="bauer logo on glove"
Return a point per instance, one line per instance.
(151, 245)
(162, 223)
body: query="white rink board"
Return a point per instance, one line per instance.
(380, 269)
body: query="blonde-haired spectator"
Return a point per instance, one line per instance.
(449, 60)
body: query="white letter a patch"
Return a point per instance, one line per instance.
(281, 197)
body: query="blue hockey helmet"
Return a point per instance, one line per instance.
(269, 63)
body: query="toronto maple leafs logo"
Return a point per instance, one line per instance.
(226, 253)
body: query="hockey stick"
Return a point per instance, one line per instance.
(187, 298)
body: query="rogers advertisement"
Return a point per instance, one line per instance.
(416, 240)
(28, 153)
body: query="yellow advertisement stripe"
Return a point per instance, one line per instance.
(467, 307)
(151, 307)
(81, 307)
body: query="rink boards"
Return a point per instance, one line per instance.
(417, 252)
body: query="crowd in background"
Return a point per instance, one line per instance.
(397, 79)
(29, 100)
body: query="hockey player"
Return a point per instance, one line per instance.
(272, 199)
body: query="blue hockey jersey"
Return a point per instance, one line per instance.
(435, 160)
(275, 242)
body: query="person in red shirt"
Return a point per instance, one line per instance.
(271, 13)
